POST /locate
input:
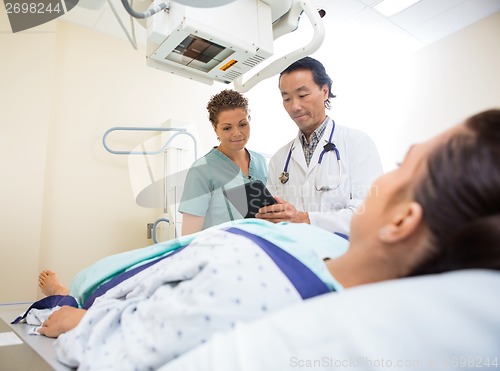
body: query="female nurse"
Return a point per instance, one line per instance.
(227, 165)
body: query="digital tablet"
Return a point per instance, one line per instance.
(248, 198)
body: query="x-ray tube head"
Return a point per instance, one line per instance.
(198, 53)
(224, 43)
(214, 44)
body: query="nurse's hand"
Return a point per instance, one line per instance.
(282, 212)
(62, 320)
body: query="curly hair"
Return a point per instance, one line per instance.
(225, 100)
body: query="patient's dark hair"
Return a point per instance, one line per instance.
(225, 100)
(460, 196)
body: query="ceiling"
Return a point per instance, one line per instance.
(425, 22)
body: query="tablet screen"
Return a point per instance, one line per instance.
(249, 197)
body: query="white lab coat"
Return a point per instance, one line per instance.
(331, 210)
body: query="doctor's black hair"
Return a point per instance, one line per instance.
(318, 71)
(460, 197)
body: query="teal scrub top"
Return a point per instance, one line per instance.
(206, 180)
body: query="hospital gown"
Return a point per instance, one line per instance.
(178, 303)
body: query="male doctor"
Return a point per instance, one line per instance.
(323, 175)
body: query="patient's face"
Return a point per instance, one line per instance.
(393, 189)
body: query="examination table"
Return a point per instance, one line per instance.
(21, 351)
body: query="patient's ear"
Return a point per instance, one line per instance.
(403, 224)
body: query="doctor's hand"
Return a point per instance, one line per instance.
(282, 212)
(62, 320)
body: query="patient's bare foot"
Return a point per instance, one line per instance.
(49, 283)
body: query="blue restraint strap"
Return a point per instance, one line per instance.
(344, 236)
(305, 281)
(122, 277)
(49, 302)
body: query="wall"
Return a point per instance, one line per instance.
(457, 76)
(102, 83)
(26, 73)
(445, 82)
(65, 200)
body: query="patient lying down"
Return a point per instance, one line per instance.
(413, 222)
(206, 284)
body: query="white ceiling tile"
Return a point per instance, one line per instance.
(425, 22)
(119, 6)
(422, 12)
(370, 33)
(455, 19)
(109, 25)
(371, 3)
(82, 16)
(92, 4)
(339, 10)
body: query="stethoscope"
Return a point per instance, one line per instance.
(328, 147)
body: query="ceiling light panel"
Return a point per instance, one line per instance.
(391, 7)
